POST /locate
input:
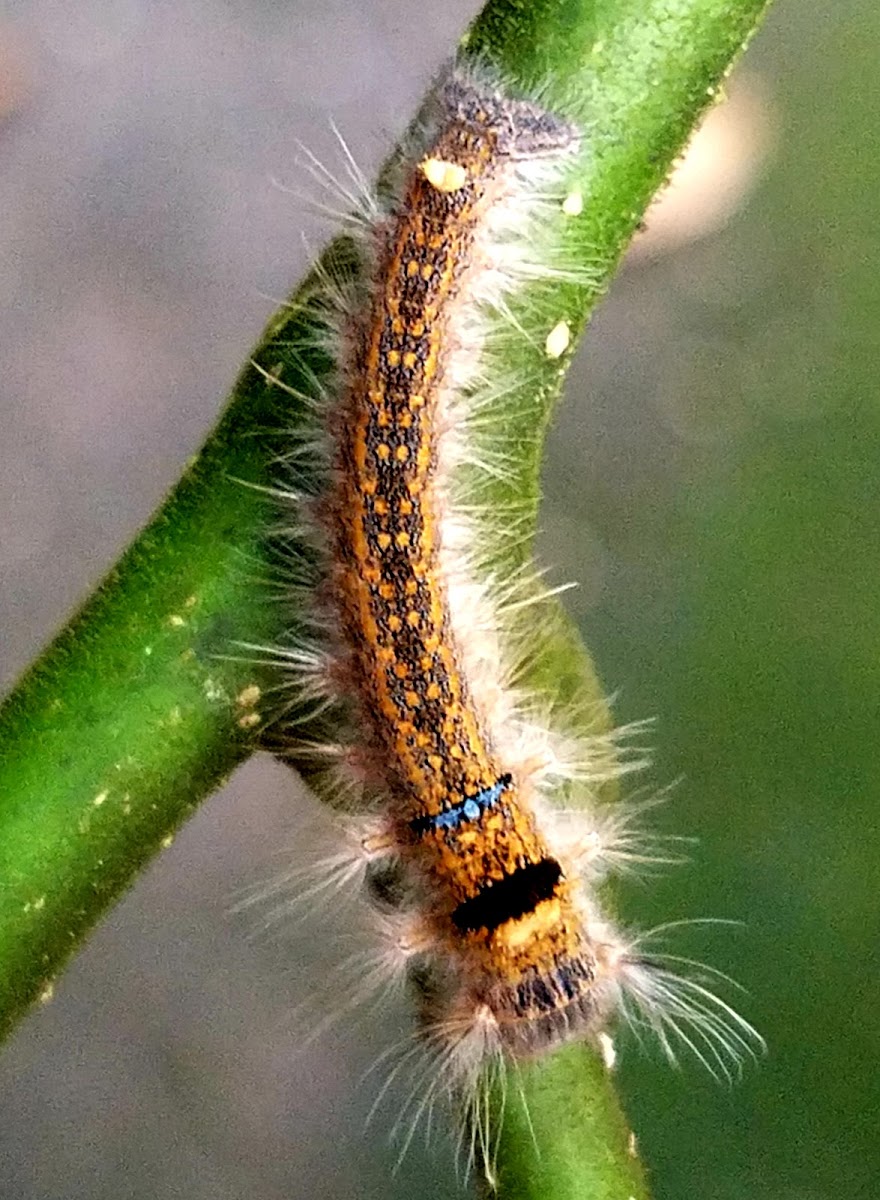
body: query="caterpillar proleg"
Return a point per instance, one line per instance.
(491, 888)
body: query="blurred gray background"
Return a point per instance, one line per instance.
(713, 481)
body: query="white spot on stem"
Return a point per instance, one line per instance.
(609, 1054)
(558, 340)
(573, 204)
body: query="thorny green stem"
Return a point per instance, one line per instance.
(139, 707)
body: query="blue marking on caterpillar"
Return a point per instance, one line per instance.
(469, 809)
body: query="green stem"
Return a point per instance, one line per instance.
(141, 706)
(636, 74)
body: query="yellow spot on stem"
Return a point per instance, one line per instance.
(100, 798)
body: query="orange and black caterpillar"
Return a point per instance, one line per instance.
(495, 909)
(500, 904)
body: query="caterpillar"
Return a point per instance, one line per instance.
(487, 890)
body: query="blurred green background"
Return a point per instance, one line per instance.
(713, 480)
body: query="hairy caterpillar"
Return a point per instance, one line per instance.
(494, 914)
